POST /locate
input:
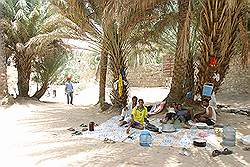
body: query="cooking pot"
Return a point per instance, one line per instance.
(168, 128)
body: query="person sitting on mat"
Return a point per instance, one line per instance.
(127, 111)
(139, 114)
(209, 116)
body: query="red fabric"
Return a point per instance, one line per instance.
(213, 61)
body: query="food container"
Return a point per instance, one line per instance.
(201, 125)
(245, 140)
(168, 128)
(199, 142)
(207, 89)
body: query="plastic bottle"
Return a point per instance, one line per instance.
(229, 136)
(145, 138)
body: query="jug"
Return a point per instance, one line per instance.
(229, 136)
(145, 138)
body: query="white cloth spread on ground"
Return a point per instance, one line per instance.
(111, 130)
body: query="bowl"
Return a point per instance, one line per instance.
(245, 140)
(201, 125)
(168, 128)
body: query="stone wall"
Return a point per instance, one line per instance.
(150, 75)
(236, 82)
(147, 76)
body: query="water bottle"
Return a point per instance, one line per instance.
(229, 136)
(145, 138)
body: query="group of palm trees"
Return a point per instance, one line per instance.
(33, 33)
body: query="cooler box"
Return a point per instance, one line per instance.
(207, 89)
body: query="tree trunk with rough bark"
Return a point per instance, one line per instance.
(103, 76)
(177, 91)
(3, 70)
(41, 91)
(23, 70)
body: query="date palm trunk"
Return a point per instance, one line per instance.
(23, 63)
(103, 77)
(177, 91)
(3, 70)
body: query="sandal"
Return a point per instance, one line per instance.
(77, 133)
(71, 129)
(226, 151)
(84, 129)
(109, 141)
(216, 153)
(83, 125)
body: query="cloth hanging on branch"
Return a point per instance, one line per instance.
(120, 85)
(213, 61)
(123, 73)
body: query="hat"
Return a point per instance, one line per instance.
(68, 77)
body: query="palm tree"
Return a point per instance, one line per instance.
(28, 32)
(122, 34)
(47, 69)
(17, 24)
(221, 24)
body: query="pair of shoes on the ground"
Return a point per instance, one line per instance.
(226, 151)
(77, 133)
(107, 140)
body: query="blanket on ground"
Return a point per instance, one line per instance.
(181, 138)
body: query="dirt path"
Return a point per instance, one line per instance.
(36, 134)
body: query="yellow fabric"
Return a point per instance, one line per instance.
(139, 114)
(120, 86)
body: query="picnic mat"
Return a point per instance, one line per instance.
(181, 138)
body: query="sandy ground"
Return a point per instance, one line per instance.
(35, 134)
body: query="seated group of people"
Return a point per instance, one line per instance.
(135, 113)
